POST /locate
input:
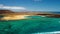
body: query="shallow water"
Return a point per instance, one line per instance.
(32, 25)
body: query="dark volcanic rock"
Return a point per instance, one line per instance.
(55, 16)
(5, 11)
(51, 15)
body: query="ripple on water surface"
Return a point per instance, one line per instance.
(29, 26)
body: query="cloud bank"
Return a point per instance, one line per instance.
(11, 7)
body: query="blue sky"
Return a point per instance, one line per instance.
(32, 5)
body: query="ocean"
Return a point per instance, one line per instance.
(31, 25)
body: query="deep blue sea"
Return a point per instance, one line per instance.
(31, 25)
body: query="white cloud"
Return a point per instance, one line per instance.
(11, 7)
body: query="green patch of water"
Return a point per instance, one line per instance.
(29, 26)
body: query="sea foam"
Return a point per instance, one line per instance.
(54, 32)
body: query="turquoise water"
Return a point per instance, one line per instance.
(32, 25)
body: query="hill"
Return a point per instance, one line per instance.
(5, 11)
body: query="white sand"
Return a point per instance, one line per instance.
(14, 17)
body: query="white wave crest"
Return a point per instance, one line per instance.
(55, 32)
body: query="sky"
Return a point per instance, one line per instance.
(31, 5)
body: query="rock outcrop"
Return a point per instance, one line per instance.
(5, 11)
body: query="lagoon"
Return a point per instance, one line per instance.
(33, 24)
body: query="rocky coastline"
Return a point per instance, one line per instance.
(11, 15)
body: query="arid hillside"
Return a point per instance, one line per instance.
(12, 13)
(22, 12)
(5, 11)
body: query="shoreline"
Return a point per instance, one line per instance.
(14, 17)
(19, 17)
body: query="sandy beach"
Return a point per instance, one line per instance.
(14, 17)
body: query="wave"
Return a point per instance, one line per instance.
(54, 32)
